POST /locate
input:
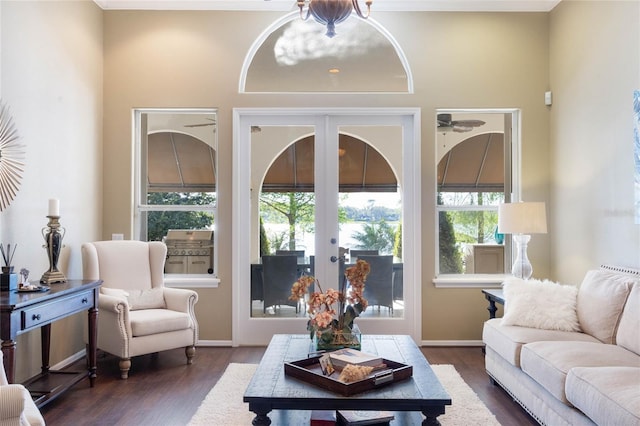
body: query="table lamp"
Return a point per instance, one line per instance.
(521, 219)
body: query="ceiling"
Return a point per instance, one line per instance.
(380, 5)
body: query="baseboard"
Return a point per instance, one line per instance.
(227, 343)
(452, 343)
(70, 360)
(214, 343)
(81, 354)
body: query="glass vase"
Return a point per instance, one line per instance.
(340, 340)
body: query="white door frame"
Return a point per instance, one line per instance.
(258, 331)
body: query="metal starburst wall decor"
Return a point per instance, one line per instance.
(11, 158)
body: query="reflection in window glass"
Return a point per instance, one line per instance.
(176, 196)
(471, 185)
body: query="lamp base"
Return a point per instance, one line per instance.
(51, 277)
(521, 266)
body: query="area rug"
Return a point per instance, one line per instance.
(223, 405)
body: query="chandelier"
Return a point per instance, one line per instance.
(332, 12)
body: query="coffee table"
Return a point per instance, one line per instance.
(292, 399)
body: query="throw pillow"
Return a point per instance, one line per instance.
(115, 292)
(146, 299)
(601, 298)
(540, 304)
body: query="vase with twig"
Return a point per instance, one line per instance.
(7, 257)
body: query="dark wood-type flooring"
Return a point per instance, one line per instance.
(163, 390)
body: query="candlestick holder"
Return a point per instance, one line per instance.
(53, 234)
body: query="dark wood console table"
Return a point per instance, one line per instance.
(23, 312)
(493, 296)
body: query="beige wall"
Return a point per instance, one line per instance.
(593, 74)
(51, 77)
(186, 59)
(53, 60)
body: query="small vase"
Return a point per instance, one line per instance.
(340, 340)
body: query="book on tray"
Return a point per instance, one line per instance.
(362, 418)
(342, 357)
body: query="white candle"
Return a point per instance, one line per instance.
(54, 207)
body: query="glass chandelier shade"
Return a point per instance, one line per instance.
(332, 12)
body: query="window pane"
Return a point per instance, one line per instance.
(182, 198)
(469, 242)
(470, 198)
(175, 197)
(159, 223)
(474, 175)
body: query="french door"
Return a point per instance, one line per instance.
(328, 157)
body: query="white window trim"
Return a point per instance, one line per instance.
(171, 280)
(470, 280)
(483, 280)
(191, 281)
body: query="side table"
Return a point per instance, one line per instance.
(493, 296)
(23, 312)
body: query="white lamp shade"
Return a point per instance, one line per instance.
(522, 218)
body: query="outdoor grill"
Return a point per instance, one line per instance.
(189, 251)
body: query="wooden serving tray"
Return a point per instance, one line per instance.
(309, 370)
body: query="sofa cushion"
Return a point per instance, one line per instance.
(152, 298)
(507, 340)
(601, 298)
(540, 304)
(153, 321)
(628, 335)
(608, 395)
(549, 362)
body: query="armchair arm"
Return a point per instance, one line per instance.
(12, 398)
(181, 300)
(113, 303)
(115, 309)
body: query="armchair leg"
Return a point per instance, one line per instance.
(125, 365)
(190, 351)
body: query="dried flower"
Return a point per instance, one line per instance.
(321, 305)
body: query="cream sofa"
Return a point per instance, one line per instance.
(584, 377)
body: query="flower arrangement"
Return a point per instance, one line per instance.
(323, 307)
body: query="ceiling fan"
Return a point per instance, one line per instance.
(445, 124)
(213, 123)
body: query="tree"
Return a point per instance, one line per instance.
(297, 208)
(450, 258)
(397, 244)
(264, 241)
(477, 226)
(159, 222)
(376, 236)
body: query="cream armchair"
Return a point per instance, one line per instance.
(16, 405)
(137, 314)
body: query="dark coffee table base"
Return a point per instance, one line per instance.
(283, 400)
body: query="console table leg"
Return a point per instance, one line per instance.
(45, 347)
(9, 361)
(93, 345)
(492, 308)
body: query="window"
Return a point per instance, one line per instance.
(175, 196)
(475, 173)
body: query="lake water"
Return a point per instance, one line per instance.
(305, 240)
